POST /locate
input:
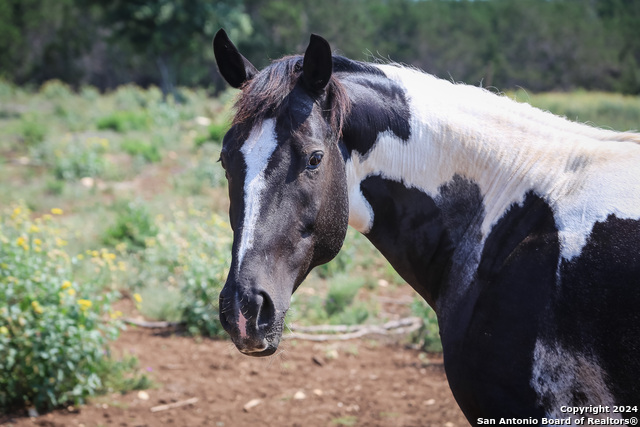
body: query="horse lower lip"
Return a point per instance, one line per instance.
(266, 351)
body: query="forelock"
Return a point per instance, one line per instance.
(265, 94)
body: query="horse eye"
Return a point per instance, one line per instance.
(314, 159)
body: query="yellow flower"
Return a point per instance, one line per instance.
(116, 314)
(80, 257)
(137, 297)
(4, 330)
(84, 304)
(56, 211)
(16, 212)
(66, 284)
(71, 291)
(61, 242)
(37, 241)
(20, 241)
(34, 229)
(36, 307)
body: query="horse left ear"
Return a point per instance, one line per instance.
(234, 67)
(318, 64)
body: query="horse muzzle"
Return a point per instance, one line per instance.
(251, 319)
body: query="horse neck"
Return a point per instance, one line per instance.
(505, 147)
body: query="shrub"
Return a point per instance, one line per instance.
(73, 158)
(428, 336)
(190, 255)
(124, 121)
(32, 130)
(341, 293)
(146, 150)
(133, 226)
(215, 133)
(54, 325)
(56, 90)
(204, 174)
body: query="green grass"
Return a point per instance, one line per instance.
(606, 110)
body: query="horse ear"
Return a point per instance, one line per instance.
(233, 67)
(318, 63)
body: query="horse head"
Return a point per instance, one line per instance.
(287, 186)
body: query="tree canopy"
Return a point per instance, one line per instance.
(536, 44)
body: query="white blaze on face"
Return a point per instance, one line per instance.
(257, 151)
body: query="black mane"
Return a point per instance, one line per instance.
(265, 95)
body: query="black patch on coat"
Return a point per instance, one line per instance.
(489, 335)
(378, 104)
(409, 231)
(598, 305)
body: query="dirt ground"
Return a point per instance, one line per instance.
(355, 383)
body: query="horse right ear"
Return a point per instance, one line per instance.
(233, 67)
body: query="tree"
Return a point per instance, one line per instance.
(173, 33)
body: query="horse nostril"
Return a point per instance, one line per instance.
(267, 311)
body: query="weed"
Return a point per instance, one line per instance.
(146, 150)
(32, 130)
(133, 226)
(74, 158)
(215, 133)
(342, 291)
(56, 90)
(190, 257)
(123, 375)
(347, 420)
(428, 336)
(124, 121)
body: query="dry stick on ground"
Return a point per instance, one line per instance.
(153, 325)
(311, 333)
(402, 326)
(178, 404)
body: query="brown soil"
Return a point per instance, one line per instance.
(363, 383)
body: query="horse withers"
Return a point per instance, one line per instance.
(520, 228)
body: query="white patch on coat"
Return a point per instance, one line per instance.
(559, 375)
(257, 151)
(508, 149)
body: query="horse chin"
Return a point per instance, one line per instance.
(266, 349)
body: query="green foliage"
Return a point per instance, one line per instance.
(215, 133)
(123, 375)
(124, 121)
(205, 174)
(541, 45)
(54, 326)
(341, 293)
(189, 257)
(614, 111)
(133, 226)
(76, 158)
(55, 90)
(148, 151)
(428, 336)
(340, 264)
(32, 130)
(172, 32)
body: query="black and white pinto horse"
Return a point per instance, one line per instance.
(520, 228)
